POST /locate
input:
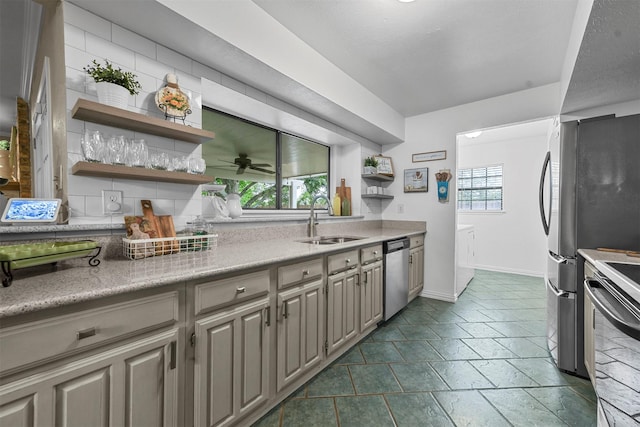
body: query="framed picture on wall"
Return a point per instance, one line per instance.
(385, 166)
(416, 180)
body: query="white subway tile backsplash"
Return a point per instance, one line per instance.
(87, 21)
(206, 72)
(256, 94)
(74, 125)
(148, 82)
(93, 206)
(188, 82)
(232, 83)
(76, 205)
(76, 80)
(174, 60)
(130, 40)
(74, 37)
(170, 190)
(76, 59)
(136, 189)
(103, 49)
(163, 206)
(88, 185)
(151, 67)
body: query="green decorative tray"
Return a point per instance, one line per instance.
(13, 257)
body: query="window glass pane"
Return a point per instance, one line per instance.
(245, 157)
(305, 169)
(480, 188)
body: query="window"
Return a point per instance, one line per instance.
(270, 169)
(480, 189)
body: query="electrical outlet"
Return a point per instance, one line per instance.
(111, 202)
(400, 208)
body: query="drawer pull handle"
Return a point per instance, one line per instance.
(86, 333)
(241, 290)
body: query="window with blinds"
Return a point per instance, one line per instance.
(480, 189)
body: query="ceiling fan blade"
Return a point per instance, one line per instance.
(261, 170)
(264, 165)
(240, 170)
(226, 161)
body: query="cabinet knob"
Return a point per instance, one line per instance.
(240, 290)
(375, 252)
(347, 260)
(305, 272)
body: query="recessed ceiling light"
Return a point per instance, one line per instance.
(406, 1)
(473, 134)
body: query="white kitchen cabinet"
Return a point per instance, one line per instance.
(416, 266)
(135, 384)
(300, 331)
(465, 257)
(371, 294)
(231, 367)
(342, 299)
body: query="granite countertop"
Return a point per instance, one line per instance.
(81, 282)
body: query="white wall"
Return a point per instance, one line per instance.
(437, 131)
(511, 240)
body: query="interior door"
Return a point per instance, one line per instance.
(42, 155)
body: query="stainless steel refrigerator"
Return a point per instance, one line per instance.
(589, 198)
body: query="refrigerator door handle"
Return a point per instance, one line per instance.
(559, 259)
(545, 166)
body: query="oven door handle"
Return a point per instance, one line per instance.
(633, 330)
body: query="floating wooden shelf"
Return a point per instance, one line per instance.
(376, 177)
(143, 174)
(107, 115)
(376, 196)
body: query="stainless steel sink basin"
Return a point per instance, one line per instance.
(329, 240)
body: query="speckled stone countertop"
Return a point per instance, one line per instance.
(80, 282)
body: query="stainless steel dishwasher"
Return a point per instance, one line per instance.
(396, 276)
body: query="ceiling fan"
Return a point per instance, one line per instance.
(243, 162)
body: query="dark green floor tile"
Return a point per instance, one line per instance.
(480, 330)
(363, 411)
(449, 330)
(541, 370)
(511, 329)
(387, 333)
(517, 406)
(380, 352)
(417, 332)
(540, 341)
(318, 412)
(488, 348)
(350, 357)
(474, 316)
(418, 377)
(333, 381)
(370, 379)
(414, 351)
(537, 327)
(502, 374)
(523, 347)
(460, 375)
(417, 317)
(470, 408)
(585, 390)
(567, 405)
(454, 350)
(417, 410)
(447, 317)
(272, 419)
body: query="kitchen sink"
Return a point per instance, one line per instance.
(330, 240)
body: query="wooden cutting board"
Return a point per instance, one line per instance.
(164, 227)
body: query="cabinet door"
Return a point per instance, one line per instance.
(300, 331)
(132, 385)
(231, 363)
(342, 309)
(370, 295)
(416, 271)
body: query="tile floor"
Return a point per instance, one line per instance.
(479, 362)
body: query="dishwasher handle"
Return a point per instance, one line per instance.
(395, 245)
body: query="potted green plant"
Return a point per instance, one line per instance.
(370, 166)
(112, 84)
(5, 163)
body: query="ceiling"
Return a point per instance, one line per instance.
(416, 57)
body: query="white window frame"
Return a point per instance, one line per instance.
(459, 189)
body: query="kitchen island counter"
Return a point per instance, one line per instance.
(80, 283)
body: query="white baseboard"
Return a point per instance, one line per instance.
(510, 270)
(438, 295)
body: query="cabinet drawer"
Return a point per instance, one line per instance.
(416, 241)
(221, 292)
(370, 254)
(300, 272)
(45, 339)
(342, 261)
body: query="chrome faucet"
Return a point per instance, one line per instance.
(313, 220)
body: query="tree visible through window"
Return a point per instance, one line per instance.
(480, 189)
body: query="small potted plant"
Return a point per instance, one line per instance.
(370, 166)
(113, 85)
